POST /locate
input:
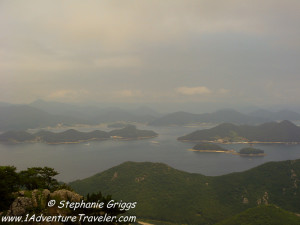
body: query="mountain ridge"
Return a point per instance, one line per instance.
(164, 193)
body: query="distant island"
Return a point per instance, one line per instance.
(251, 152)
(282, 132)
(72, 136)
(208, 147)
(130, 132)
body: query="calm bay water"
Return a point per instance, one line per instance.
(77, 161)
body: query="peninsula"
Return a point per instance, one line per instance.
(282, 132)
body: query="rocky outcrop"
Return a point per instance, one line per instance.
(66, 195)
(36, 201)
(20, 206)
(264, 199)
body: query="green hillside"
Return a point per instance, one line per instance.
(166, 194)
(263, 215)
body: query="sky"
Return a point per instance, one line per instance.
(139, 51)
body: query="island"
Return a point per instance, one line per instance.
(273, 132)
(72, 136)
(130, 132)
(251, 152)
(208, 147)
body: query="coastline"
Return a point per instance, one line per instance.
(241, 142)
(233, 152)
(78, 141)
(217, 151)
(132, 139)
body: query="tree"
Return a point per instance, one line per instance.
(38, 177)
(9, 183)
(98, 197)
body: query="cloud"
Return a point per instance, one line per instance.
(200, 90)
(68, 95)
(127, 93)
(223, 91)
(120, 47)
(116, 62)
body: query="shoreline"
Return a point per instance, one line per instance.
(233, 152)
(242, 142)
(78, 141)
(132, 139)
(217, 151)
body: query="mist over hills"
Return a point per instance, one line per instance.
(20, 117)
(40, 113)
(226, 115)
(279, 115)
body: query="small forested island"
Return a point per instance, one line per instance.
(131, 133)
(72, 136)
(251, 152)
(208, 147)
(282, 132)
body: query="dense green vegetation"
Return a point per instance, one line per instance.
(166, 194)
(284, 131)
(263, 215)
(36, 180)
(98, 197)
(32, 178)
(208, 146)
(9, 183)
(74, 136)
(249, 151)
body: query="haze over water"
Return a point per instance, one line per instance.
(77, 161)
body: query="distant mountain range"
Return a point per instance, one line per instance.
(168, 195)
(73, 136)
(40, 114)
(284, 131)
(222, 116)
(20, 117)
(276, 116)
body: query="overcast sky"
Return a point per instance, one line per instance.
(150, 51)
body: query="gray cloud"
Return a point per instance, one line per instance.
(147, 51)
